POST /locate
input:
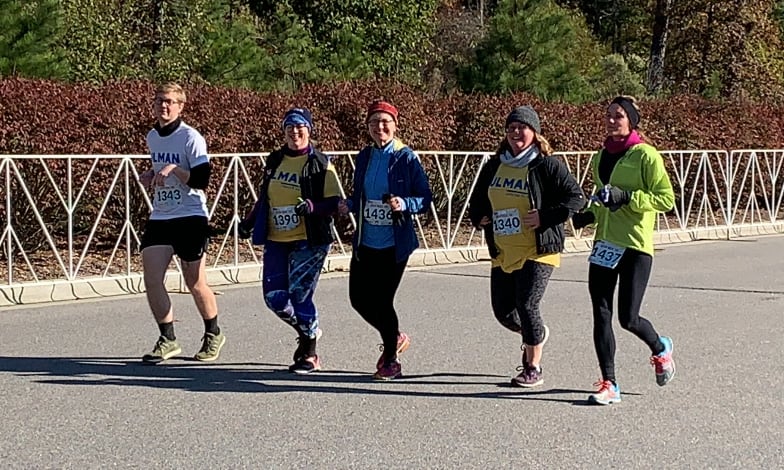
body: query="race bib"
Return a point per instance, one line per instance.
(284, 218)
(606, 254)
(377, 213)
(167, 197)
(506, 222)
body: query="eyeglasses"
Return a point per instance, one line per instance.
(519, 128)
(166, 101)
(375, 122)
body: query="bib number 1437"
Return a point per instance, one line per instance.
(606, 254)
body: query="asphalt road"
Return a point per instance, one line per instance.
(76, 396)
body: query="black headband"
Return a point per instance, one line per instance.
(631, 111)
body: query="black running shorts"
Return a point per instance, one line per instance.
(188, 236)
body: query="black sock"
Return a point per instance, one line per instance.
(659, 347)
(390, 347)
(311, 347)
(211, 326)
(167, 330)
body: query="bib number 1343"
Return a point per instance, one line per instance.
(167, 197)
(606, 254)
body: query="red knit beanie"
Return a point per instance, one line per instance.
(379, 106)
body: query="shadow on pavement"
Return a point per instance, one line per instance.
(192, 376)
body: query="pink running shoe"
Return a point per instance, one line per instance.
(403, 342)
(607, 394)
(663, 364)
(388, 371)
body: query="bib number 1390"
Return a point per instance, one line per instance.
(606, 254)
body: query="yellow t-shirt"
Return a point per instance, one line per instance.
(284, 190)
(510, 201)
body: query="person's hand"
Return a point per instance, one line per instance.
(146, 178)
(304, 207)
(582, 219)
(396, 203)
(613, 197)
(245, 229)
(160, 178)
(485, 221)
(343, 207)
(531, 219)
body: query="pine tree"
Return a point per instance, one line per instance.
(232, 54)
(538, 47)
(28, 34)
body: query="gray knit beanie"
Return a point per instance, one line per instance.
(525, 115)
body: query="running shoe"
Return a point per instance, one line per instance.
(306, 365)
(403, 342)
(530, 377)
(210, 347)
(390, 370)
(607, 394)
(164, 349)
(663, 364)
(302, 347)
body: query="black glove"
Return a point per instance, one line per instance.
(581, 219)
(397, 216)
(213, 231)
(304, 207)
(613, 198)
(245, 229)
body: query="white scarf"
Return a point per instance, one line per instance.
(522, 159)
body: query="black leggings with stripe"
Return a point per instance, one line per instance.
(374, 277)
(631, 276)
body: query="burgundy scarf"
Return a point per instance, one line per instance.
(618, 146)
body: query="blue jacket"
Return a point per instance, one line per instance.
(408, 181)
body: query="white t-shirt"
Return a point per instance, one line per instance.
(186, 148)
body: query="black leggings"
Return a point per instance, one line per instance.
(516, 296)
(373, 280)
(631, 275)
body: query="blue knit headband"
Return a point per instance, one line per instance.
(298, 117)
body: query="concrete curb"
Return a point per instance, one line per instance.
(92, 288)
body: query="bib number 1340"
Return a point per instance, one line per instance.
(606, 254)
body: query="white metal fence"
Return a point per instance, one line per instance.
(70, 225)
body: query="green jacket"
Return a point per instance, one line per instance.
(641, 170)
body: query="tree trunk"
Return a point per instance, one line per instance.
(706, 65)
(661, 28)
(156, 41)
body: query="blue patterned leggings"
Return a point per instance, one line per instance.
(290, 273)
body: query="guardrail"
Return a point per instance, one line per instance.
(48, 254)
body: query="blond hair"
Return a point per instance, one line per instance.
(171, 87)
(544, 146)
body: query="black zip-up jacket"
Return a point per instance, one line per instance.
(553, 192)
(319, 223)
